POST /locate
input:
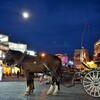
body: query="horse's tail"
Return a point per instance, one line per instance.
(59, 71)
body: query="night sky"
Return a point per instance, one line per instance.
(53, 26)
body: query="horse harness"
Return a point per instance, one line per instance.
(52, 72)
(20, 60)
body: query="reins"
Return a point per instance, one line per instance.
(21, 59)
(55, 75)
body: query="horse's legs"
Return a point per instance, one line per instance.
(58, 84)
(57, 87)
(27, 92)
(51, 87)
(57, 81)
(32, 83)
(56, 77)
(29, 82)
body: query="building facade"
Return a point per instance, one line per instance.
(5, 45)
(96, 50)
(64, 58)
(79, 56)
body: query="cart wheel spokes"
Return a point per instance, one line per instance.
(91, 83)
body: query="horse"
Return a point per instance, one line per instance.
(36, 64)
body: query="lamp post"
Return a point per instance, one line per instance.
(43, 55)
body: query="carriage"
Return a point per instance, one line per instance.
(91, 81)
(71, 75)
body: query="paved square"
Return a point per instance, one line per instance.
(15, 91)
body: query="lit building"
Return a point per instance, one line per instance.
(5, 45)
(96, 49)
(79, 56)
(64, 58)
(32, 53)
(17, 46)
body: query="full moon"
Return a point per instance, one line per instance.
(25, 15)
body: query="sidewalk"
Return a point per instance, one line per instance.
(16, 90)
(14, 79)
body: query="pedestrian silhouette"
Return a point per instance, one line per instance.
(18, 74)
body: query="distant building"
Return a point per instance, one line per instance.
(17, 46)
(64, 58)
(80, 55)
(96, 50)
(5, 45)
(32, 53)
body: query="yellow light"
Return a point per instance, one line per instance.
(91, 64)
(43, 54)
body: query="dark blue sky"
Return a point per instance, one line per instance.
(54, 26)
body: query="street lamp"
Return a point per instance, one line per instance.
(43, 54)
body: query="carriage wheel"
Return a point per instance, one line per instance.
(91, 83)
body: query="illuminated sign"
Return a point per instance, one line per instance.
(17, 46)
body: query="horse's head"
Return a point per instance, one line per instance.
(8, 58)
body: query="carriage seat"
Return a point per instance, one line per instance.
(97, 61)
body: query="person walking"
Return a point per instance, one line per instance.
(1, 72)
(18, 74)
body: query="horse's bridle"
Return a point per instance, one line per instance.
(20, 60)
